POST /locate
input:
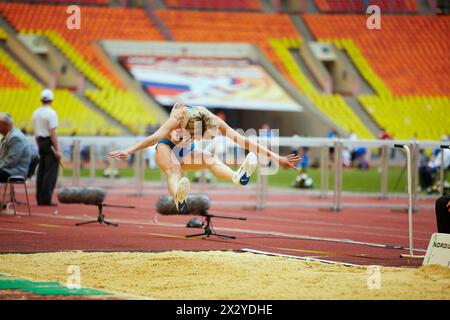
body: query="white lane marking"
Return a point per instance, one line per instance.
(300, 258)
(23, 231)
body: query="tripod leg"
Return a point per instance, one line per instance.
(223, 236)
(101, 219)
(87, 222)
(196, 235)
(110, 223)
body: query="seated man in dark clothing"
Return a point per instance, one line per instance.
(15, 154)
(443, 214)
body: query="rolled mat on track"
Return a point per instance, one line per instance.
(196, 203)
(88, 195)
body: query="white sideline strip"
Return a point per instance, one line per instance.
(300, 258)
(304, 237)
(23, 231)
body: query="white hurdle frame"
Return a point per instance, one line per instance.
(410, 204)
(284, 142)
(442, 169)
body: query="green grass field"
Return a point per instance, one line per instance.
(353, 180)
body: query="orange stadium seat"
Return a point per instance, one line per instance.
(97, 23)
(249, 27)
(406, 63)
(96, 2)
(360, 5)
(8, 80)
(215, 4)
(412, 59)
(260, 29)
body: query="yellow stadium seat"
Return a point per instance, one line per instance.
(333, 106)
(21, 101)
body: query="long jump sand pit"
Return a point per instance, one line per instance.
(228, 275)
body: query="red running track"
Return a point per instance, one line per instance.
(305, 232)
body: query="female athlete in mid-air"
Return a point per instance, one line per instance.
(176, 151)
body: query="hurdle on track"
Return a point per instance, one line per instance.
(410, 203)
(100, 146)
(336, 203)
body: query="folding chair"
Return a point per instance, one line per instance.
(14, 180)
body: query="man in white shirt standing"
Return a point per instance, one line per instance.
(45, 122)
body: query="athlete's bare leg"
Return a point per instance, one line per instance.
(201, 160)
(169, 164)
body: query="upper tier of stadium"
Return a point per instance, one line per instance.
(410, 53)
(99, 23)
(251, 5)
(404, 62)
(360, 6)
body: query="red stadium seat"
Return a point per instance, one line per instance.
(96, 2)
(410, 53)
(8, 80)
(359, 5)
(254, 5)
(247, 27)
(97, 23)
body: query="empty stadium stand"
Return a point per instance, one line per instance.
(19, 95)
(3, 34)
(409, 53)
(406, 62)
(92, 2)
(274, 34)
(361, 5)
(98, 23)
(333, 106)
(422, 117)
(251, 5)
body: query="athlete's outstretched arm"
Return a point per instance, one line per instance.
(286, 162)
(163, 131)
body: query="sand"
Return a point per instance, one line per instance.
(228, 275)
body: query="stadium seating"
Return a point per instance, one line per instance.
(250, 27)
(3, 34)
(215, 4)
(361, 63)
(361, 5)
(119, 104)
(98, 23)
(407, 67)
(406, 62)
(13, 76)
(426, 118)
(8, 80)
(333, 106)
(19, 95)
(246, 27)
(96, 2)
(409, 53)
(273, 34)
